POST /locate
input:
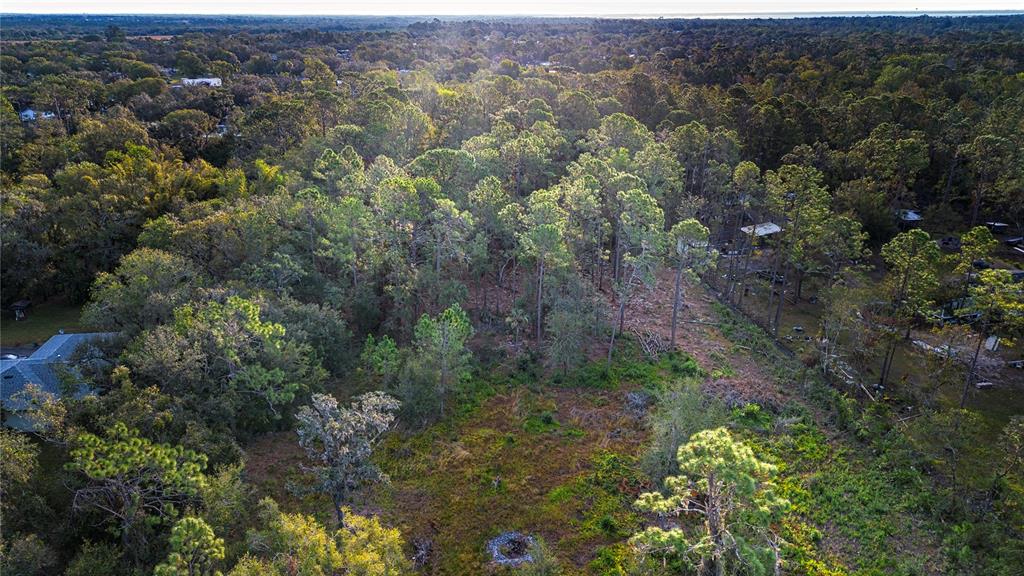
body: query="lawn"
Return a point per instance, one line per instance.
(43, 321)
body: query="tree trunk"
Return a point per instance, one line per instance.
(949, 177)
(778, 308)
(540, 298)
(675, 304)
(743, 276)
(890, 354)
(338, 513)
(622, 315)
(970, 373)
(715, 527)
(975, 206)
(771, 283)
(615, 253)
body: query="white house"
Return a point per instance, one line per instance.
(214, 82)
(31, 115)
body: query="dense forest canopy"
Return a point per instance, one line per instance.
(637, 296)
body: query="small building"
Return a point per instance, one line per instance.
(909, 218)
(47, 368)
(30, 115)
(212, 82)
(761, 230)
(20, 308)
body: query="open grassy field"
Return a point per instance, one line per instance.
(559, 457)
(43, 321)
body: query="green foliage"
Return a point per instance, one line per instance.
(441, 347)
(121, 453)
(731, 492)
(233, 368)
(600, 496)
(543, 561)
(95, 558)
(370, 549)
(195, 550)
(135, 483)
(18, 464)
(142, 292)
(26, 555)
(297, 544)
(681, 410)
(752, 416)
(380, 358)
(227, 506)
(342, 441)
(912, 258)
(347, 181)
(541, 423)
(998, 302)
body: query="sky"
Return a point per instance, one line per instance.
(470, 7)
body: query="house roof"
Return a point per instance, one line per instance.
(47, 368)
(212, 80)
(762, 229)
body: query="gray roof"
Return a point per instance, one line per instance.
(45, 367)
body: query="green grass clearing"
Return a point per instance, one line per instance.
(42, 321)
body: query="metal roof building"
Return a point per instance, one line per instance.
(762, 229)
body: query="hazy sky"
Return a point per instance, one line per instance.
(570, 7)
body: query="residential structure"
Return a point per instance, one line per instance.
(47, 368)
(214, 82)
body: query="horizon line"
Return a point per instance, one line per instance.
(581, 15)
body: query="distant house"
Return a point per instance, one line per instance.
(214, 82)
(47, 368)
(31, 115)
(759, 233)
(909, 218)
(761, 230)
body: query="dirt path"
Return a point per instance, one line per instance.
(735, 373)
